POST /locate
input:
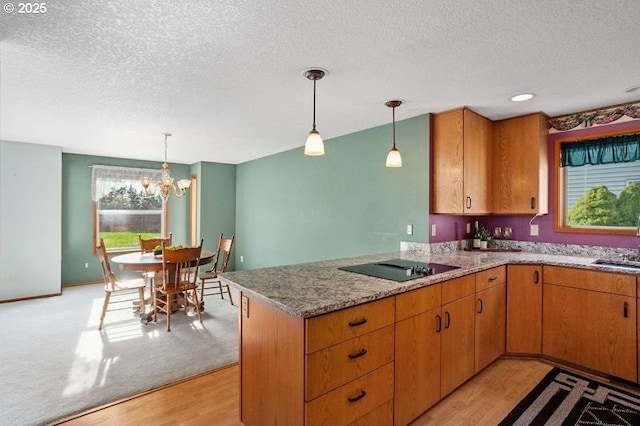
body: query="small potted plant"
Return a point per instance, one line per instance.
(485, 236)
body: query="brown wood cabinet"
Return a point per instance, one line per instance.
(524, 309)
(520, 168)
(589, 319)
(434, 345)
(490, 316)
(461, 162)
(334, 368)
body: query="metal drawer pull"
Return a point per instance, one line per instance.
(493, 278)
(358, 397)
(356, 323)
(358, 354)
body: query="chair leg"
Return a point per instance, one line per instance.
(142, 302)
(155, 306)
(197, 304)
(168, 306)
(229, 292)
(107, 296)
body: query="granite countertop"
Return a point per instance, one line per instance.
(311, 289)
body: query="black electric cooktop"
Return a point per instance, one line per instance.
(399, 269)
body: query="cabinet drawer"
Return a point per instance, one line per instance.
(491, 277)
(339, 364)
(381, 416)
(352, 401)
(327, 330)
(606, 282)
(458, 288)
(418, 301)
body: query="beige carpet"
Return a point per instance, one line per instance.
(54, 362)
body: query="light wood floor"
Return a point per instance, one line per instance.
(213, 399)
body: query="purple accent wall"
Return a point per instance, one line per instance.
(449, 228)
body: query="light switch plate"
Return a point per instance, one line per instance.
(433, 229)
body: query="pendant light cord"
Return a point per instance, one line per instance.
(393, 113)
(314, 104)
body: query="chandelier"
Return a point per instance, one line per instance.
(165, 185)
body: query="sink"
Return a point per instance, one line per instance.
(618, 264)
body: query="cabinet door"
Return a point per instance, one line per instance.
(457, 344)
(477, 163)
(591, 329)
(520, 171)
(461, 169)
(524, 309)
(417, 364)
(490, 326)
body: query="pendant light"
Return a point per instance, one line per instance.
(314, 145)
(393, 157)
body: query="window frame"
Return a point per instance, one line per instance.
(559, 225)
(94, 220)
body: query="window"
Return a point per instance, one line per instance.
(599, 184)
(120, 209)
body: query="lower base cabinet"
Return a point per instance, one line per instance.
(490, 326)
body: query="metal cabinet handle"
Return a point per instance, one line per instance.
(438, 323)
(626, 310)
(480, 306)
(468, 202)
(493, 278)
(448, 317)
(358, 397)
(533, 203)
(536, 277)
(356, 323)
(358, 354)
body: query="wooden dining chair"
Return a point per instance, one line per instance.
(113, 285)
(179, 277)
(210, 283)
(148, 245)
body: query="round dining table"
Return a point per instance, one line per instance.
(148, 262)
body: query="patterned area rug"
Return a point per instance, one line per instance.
(564, 398)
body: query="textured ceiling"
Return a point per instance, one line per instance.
(107, 77)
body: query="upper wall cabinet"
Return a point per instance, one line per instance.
(520, 165)
(461, 162)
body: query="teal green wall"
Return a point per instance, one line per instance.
(77, 224)
(291, 208)
(216, 202)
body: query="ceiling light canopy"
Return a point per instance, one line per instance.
(314, 145)
(522, 97)
(165, 185)
(394, 159)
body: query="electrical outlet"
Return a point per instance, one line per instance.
(468, 227)
(533, 230)
(86, 264)
(241, 259)
(245, 306)
(433, 229)
(409, 229)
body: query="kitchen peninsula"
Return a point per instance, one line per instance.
(320, 345)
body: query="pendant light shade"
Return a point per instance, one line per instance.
(314, 145)
(394, 159)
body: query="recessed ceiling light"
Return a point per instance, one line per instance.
(522, 97)
(633, 88)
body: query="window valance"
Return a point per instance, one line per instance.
(614, 149)
(105, 178)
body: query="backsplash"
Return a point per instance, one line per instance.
(525, 246)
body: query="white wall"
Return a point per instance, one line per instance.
(30, 220)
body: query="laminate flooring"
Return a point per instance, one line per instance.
(213, 399)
